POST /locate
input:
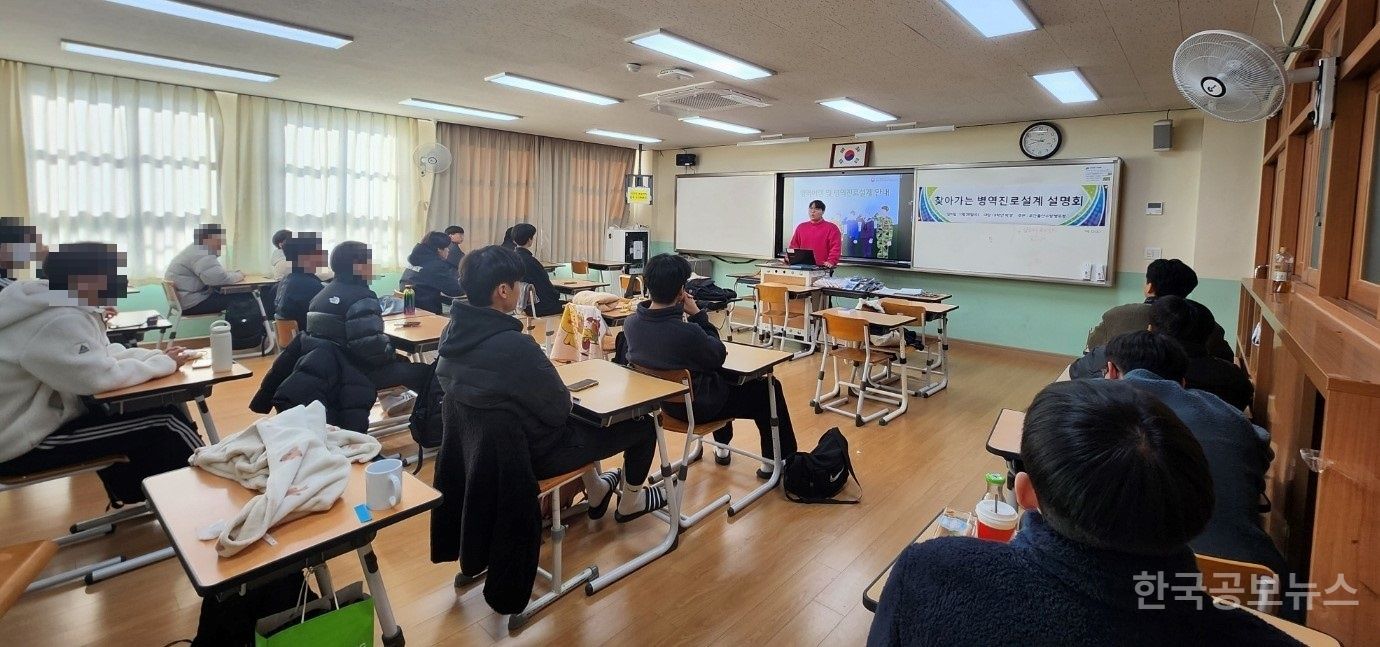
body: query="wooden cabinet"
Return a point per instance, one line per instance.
(1316, 365)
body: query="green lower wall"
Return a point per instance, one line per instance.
(1048, 317)
(150, 297)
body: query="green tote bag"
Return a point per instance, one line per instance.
(343, 620)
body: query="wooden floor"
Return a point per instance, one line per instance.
(777, 574)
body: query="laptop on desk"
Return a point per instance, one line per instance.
(801, 259)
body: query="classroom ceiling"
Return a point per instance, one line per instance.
(914, 58)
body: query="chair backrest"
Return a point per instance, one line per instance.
(679, 376)
(905, 308)
(773, 301)
(843, 328)
(579, 267)
(170, 293)
(624, 280)
(287, 329)
(20, 565)
(1255, 585)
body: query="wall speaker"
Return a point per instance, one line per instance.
(686, 159)
(1164, 135)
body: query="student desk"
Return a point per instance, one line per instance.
(743, 278)
(805, 335)
(127, 328)
(1305, 635)
(255, 283)
(744, 364)
(873, 318)
(1005, 438)
(925, 297)
(617, 316)
(189, 498)
(550, 267)
(571, 286)
(415, 340)
(623, 395)
(187, 384)
(607, 266)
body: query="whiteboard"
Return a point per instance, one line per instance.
(1039, 221)
(733, 215)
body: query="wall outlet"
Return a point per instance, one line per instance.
(1152, 253)
(1087, 271)
(1100, 273)
(1154, 208)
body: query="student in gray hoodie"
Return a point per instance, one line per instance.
(54, 352)
(196, 272)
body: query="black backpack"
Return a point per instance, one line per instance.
(817, 476)
(246, 324)
(426, 422)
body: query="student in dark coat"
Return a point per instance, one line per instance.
(347, 312)
(488, 362)
(533, 274)
(454, 255)
(1163, 277)
(1238, 452)
(295, 291)
(1191, 324)
(311, 370)
(434, 279)
(670, 332)
(1116, 487)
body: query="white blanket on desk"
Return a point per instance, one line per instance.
(298, 462)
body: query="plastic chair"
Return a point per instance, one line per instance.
(624, 280)
(286, 330)
(581, 268)
(694, 437)
(846, 338)
(175, 316)
(20, 565)
(1247, 583)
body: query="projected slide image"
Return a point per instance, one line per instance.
(866, 209)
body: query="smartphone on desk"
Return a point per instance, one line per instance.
(582, 385)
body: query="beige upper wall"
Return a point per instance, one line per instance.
(1218, 244)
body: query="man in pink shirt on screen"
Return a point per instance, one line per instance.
(818, 235)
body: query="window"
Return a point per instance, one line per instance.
(1364, 286)
(345, 174)
(118, 160)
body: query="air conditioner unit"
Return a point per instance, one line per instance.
(701, 98)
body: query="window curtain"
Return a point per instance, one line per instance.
(121, 160)
(345, 174)
(570, 190)
(14, 172)
(579, 194)
(491, 184)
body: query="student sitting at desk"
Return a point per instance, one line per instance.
(347, 313)
(487, 362)
(196, 271)
(282, 266)
(454, 254)
(20, 245)
(1114, 487)
(1163, 277)
(670, 332)
(1191, 324)
(1238, 452)
(54, 352)
(431, 276)
(533, 274)
(295, 291)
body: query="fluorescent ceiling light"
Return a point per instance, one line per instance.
(1068, 86)
(907, 131)
(994, 18)
(768, 140)
(844, 104)
(721, 125)
(617, 135)
(688, 50)
(240, 21)
(459, 110)
(513, 80)
(163, 61)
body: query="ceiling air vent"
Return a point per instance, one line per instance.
(702, 98)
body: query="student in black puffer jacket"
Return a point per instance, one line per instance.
(347, 313)
(434, 279)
